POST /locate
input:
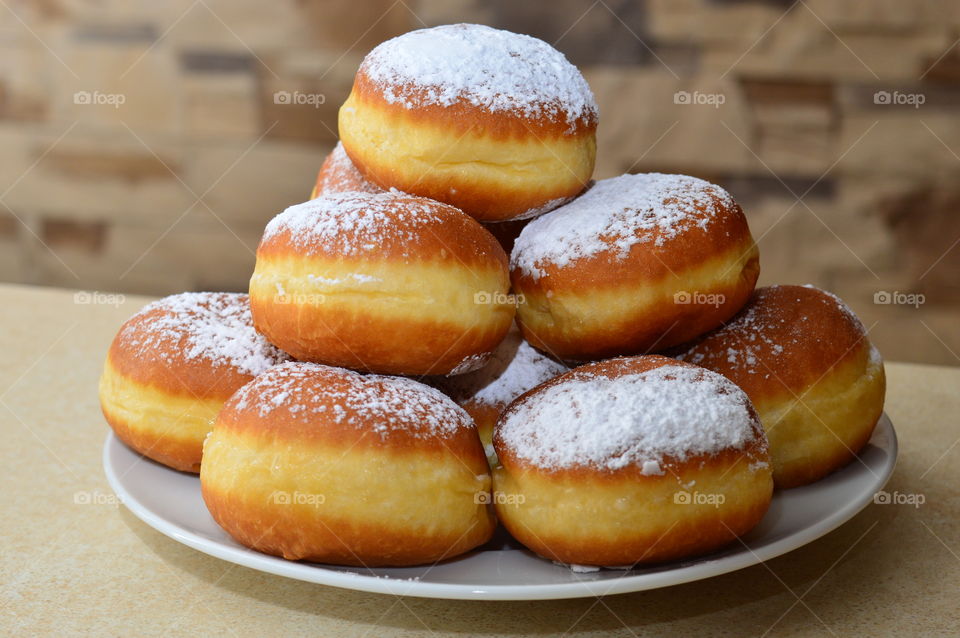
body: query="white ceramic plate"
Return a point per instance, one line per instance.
(170, 502)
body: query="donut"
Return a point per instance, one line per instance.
(388, 283)
(514, 368)
(498, 124)
(172, 366)
(316, 463)
(805, 361)
(638, 263)
(339, 175)
(630, 461)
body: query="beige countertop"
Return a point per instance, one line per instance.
(69, 568)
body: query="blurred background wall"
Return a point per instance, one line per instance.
(143, 145)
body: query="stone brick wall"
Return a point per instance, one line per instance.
(145, 145)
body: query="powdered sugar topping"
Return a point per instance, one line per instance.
(546, 207)
(751, 332)
(489, 68)
(340, 175)
(382, 404)
(632, 420)
(514, 368)
(615, 215)
(469, 364)
(352, 222)
(211, 326)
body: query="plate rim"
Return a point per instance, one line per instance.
(451, 591)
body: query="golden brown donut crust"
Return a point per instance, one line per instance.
(338, 175)
(565, 153)
(805, 361)
(462, 116)
(294, 535)
(420, 316)
(352, 427)
(157, 393)
(171, 435)
(386, 495)
(795, 333)
(692, 530)
(596, 516)
(484, 417)
(587, 310)
(454, 238)
(166, 365)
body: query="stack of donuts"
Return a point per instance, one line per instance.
(461, 329)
